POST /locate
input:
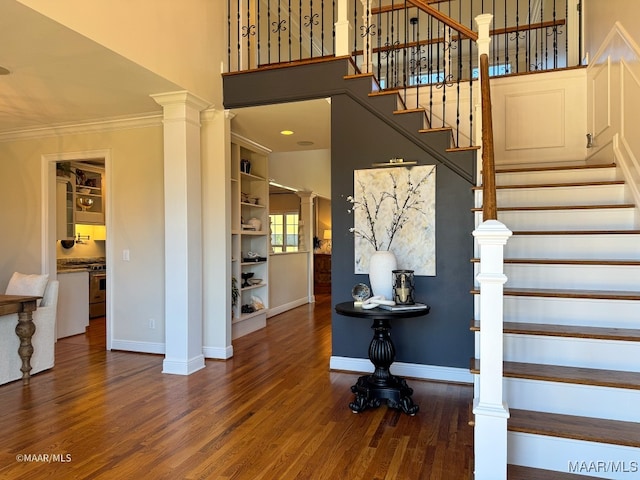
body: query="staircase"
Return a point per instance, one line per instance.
(571, 322)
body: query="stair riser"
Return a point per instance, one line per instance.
(556, 454)
(570, 399)
(587, 219)
(592, 195)
(588, 247)
(573, 352)
(588, 277)
(566, 311)
(561, 176)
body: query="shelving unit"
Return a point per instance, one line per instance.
(250, 235)
(77, 184)
(90, 188)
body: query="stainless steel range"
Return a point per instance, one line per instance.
(97, 289)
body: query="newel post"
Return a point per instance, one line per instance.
(483, 22)
(490, 409)
(344, 30)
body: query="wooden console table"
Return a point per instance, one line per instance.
(381, 385)
(24, 306)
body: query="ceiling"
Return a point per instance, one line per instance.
(310, 122)
(59, 77)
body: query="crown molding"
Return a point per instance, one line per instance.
(96, 126)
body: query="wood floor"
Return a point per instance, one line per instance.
(273, 411)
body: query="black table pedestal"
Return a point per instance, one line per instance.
(381, 385)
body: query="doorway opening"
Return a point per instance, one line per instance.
(76, 247)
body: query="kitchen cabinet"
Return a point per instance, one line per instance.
(64, 209)
(250, 235)
(322, 273)
(73, 303)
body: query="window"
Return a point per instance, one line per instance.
(494, 70)
(284, 232)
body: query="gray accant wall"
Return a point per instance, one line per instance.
(359, 138)
(441, 338)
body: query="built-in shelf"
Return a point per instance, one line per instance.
(249, 200)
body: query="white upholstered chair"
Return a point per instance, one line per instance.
(44, 317)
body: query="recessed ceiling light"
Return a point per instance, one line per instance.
(305, 143)
(286, 132)
(4, 71)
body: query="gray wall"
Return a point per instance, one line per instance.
(442, 338)
(359, 137)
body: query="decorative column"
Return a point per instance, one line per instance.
(216, 228)
(306, 236)
(182, 232)
(490, 410)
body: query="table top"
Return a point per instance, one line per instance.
(348, 309)
(7, 299)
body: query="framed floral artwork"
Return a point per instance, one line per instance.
(394, 209)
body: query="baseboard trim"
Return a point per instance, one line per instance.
(410, 370)
(181, 367)
(287, 306)
(140, 347)
(219, 353)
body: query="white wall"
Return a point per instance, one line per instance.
(288, 281)
(600, 16)
(183, 41)
(309, 170)
(613, 81)
(540, 117)
(136, 201)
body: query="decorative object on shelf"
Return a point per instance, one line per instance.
(235, 292)
(255, 281)
(247, 308)
(403, 287)
(83, 190)
(255, 223)
(386, 202)
(245, 166)
(253, 257)
(245, 278)
(381, 265)
(257, 303)
(360, 292)
(81, 177)
(85, 203)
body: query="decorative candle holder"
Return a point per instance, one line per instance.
(403, 287)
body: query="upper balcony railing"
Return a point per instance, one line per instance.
(527, 35)
(424, 48)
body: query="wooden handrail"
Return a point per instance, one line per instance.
(489, 209)
(461, 29)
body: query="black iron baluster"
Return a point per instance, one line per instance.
(555, 37)
(430, 68)
(321, 27)
(290, 57)
(229, 36)
(355, 26)
(269, 32)
(239, 35)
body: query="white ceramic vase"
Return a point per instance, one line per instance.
(381, 264)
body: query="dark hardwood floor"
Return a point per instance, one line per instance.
(273, 411)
